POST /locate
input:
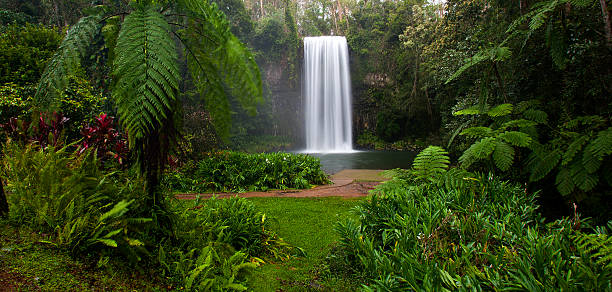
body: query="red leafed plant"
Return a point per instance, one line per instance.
(48, 130)
(104, 137)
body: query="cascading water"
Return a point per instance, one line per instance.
(328, 95)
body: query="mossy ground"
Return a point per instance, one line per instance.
(30, 264)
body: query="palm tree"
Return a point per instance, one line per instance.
(143, 54)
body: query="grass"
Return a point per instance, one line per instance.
(309, 224)
(29, 264)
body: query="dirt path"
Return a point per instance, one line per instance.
(346, 183)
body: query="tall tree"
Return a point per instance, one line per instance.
(146, 76)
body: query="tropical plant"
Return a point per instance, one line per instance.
(107, 141)
(146, 75)
(579, 154)
(431, 161)
(481, 234)
(66, 194)
(240, 172)
(496, 142)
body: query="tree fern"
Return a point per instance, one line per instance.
(478, 151)
(146, 72)
(66, 61)
(432, 160)
(503, 155)
(516, 138)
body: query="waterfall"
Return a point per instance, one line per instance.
(327, 89)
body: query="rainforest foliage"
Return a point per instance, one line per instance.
(99, 99)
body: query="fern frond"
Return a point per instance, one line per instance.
(469, 63)
(431, 160)
(477, 132)
(582, 178)
(597, 246)
(537, 116)
(516, 138)
(573, 148)
(473, 110)
(520, 123)
(596, 150)
(146, 72)
(479, 150)
(220, 64)
(503, 155)
(66, 61)
(542, 163)
(500, 110)
(564, 182)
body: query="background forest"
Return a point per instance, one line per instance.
(517, 96)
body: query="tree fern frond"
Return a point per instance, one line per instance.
(477, 132)
(473, 110)
(541, 164)
(146, 72)
(500, 110)
(469, 63)
(431, 160)
(66, 61)
(537, 116)
(503, 155)
(516, 138)
(597, 149)
(564, 182)
(557, 45)
(222, 62)
(520, 123)
(573, 148)
(582, 178)
(479, 150)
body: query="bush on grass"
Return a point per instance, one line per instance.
(457, 231)
(89, 211)
(240, 172)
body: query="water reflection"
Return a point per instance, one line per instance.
(335, 162)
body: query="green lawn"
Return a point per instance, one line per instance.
(309, 224)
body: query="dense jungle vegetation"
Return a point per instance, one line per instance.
(108, 108)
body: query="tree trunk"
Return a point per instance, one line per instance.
(4, 207)
(607, 21)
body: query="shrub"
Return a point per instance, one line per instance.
(462, 232)
(24, 52)
(239, 172)
(65, 194)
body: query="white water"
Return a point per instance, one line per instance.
(328, 95)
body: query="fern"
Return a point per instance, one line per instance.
(515, 138)
(597, 149)
(220, 65)
(146, 72)
(597, 246)
(479, 150)
(500, 110)
(432, 160)
(477, 132)
(541, 164)
(503, 155)
(66, 61)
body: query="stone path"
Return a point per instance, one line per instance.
(346, 183)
